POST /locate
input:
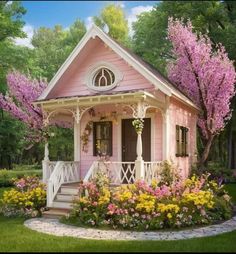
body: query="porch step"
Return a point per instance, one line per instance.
(65, 197)
(62, 204)
(70, 190)
(55, 213)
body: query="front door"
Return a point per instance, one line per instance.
(129, 140)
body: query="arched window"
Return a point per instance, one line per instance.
(103, 77)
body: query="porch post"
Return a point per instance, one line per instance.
(76, 141)
(139, 113)
(166, 129)
(45, 163)
(139, 162)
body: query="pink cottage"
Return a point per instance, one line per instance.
(101, 88)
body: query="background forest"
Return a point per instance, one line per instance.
(148, 38)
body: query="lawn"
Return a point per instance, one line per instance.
(14, 237)
(7, 175)
(231, 188)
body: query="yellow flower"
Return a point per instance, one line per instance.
(154, 183)
(168, 208)
(84, 200)
(169, 216)
(146, 202)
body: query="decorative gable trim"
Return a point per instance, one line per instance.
(92, 33)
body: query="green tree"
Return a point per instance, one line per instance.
(52, 46)
(11, 140)
(10, 19)
(213, 17)
(113, 17)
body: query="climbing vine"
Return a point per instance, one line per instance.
(85, 136)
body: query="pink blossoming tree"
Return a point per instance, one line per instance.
(206, 75)
(22, 91)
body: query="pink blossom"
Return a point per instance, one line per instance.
(18, 102)
(205, 75)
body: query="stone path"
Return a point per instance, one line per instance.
(54, 227)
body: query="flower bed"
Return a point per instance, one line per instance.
(27, 198)
(138, 206)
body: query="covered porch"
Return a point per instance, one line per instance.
(133, 105)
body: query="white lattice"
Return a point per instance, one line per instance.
(152, 170)
(118, 172)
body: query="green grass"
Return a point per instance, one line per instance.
(7, 175)
(15, 237)
(231, 188)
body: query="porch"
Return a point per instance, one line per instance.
(63, 182)
(121, 170)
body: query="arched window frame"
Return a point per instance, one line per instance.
(93, 71)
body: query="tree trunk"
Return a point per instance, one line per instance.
(205, 154)
(230, 146)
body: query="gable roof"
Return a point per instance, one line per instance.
(144, 68)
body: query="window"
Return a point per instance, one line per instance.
(104, 77)
(181, 141)
(102, 138)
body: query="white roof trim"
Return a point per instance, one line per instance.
(92, 33)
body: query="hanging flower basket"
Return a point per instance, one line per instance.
(138, 125)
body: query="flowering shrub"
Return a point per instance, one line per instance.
(91, 207)
(140, 206)
(28, 198)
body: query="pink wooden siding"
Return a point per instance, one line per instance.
(184, 116)
(88, 158)
(158, 137)
(73, 82)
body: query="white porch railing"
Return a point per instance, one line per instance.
(152, 170)
(91, 172)
(48, 167)
(64, 172)
(118, 172)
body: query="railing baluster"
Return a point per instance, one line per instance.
(152, 170)
(64, 172)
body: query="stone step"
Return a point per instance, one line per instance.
(55, 213)
(65, 197)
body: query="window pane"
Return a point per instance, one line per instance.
(103, 138)
(177, 140)
(104, 147)
(104, 77)
(98, 131)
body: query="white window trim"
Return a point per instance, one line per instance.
(93, 70)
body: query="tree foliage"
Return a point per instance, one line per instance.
(217, 18)
(18, 102)
(113, 17)
(206, 75)
(10, 19)
(53, 46)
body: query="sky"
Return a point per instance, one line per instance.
(51, 13)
